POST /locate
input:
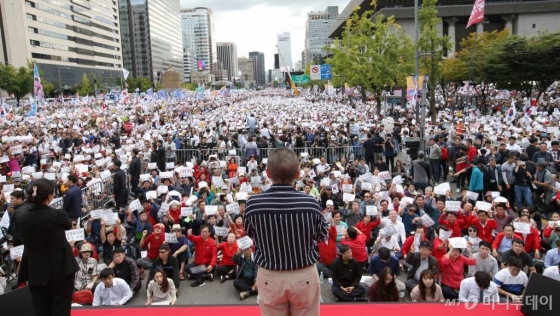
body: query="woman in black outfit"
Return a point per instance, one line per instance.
(48, 264)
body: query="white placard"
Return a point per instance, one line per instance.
(458, 242)
(384, 175)
(186, 172)
(162, 189)
(453, 206)
(170, 238)
(256, 179)
(198, 269)
(152, 165)
(75, 234)
(186, 211)
(472, 195)
(16, 174)
(3, 179)
(348, 197)
(66, 169)
(337, 174)
(233, 208)
(327, 216)
(245, 242)
(483, 206)
(340, 229)
(221, 231)
(109, 217)
(105, 174)
(169, 165)
(388, 231)
(444, 234)
(4, 159)
(551, 223)
(442, 189)
(218, 182)
(500, 199)
(371, 210)
(36, 175)
(144, 177)
(242, 170)
(320, 169)
(427, 220)
(407, 199)
(14, 150)
(366, 186)
(166, 175)
(522, 228)
(495, 194)
(135, 205)
(211, 210)
(50, 176)
(552, 129)
(16, 252)
(164, 208)
(245, 187)
(347, 188)
(95, 214)
(8, 188)
(325, 182)
(241, 196)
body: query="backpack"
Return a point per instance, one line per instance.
(444, 154)
(132, 252)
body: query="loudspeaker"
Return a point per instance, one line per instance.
(542, 297)
(17, 302)
(412, 142)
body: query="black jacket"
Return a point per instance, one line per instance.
(414, 261)
(23, 207)
(135, 167)
(346, 275)
(171, 269)
(47, 255)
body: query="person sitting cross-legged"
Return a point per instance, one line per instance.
(161, 289)
(453, 268)
(382, 260)
(247, 268)
(418, 262)
(126, 269)
(479, 288)
(111, 291)
(385, 288)
(168, 264)
(511, 281)
(206, 255)
(346, 276)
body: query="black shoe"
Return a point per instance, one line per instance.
(197, 283)
(209, 276)
(361, 299)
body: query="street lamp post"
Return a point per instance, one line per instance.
(416, 59)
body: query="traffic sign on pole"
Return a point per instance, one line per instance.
(300, 79)
(315, 72)
(326, 72)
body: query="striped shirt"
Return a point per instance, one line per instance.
(284, 225)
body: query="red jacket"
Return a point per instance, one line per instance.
(358, 247)
(532, 240)
(453, 271)
(455, 228)
(366, 229)
(472, 152)
(486, 232)
(547, 232)
(405, 249)
(227, 253)
(500, 236)
(436, 252)
(206, 251)
(153, 251)
(327, 251)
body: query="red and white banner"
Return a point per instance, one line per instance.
(477, 14)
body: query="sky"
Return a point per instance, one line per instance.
(253, 24)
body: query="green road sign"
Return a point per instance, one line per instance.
(300, 79)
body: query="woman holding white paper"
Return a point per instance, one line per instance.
(226, 268)
(161, 290)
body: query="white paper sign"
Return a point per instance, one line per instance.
(427, 220)
(522, 228)
(325, 182)
(340, 229)
(50, 176)
(245, 242)
(388, 231)
(347, 188)
(8, 188)
(14, 150)
(472, 195)
(169, 165)
(221, 231)
(164, 208)
(36, 175)
(16, 175)
(453, 206)
(233, 208)
(162, 189)
(109, 217)
(245, 188)
(348, 197)
(442, 189)
(551, 223)
(458, 242)
(170, 238)
(211, 210)
(327, 216)
(408, 200)
(483, 206)
(166, 175)
(242, 170)
(371, 210)
(105, 174)
(384, 175)
(495, 194)
(4, 159)
(3, 179)
(444, 235)
(75, 234)
(16, 252)
(186, 172)
(366, 186)
(152, 165)
(186, 211)
(218, 182)
(135, 205)
(95, 214)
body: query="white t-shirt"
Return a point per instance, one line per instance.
(513, 147)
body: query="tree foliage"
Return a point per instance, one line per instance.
(190, 86)
(85, 88)
(374, 54)
(18, 81)
(141, 83)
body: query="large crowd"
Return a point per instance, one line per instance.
(156, 189)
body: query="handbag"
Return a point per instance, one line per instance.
(83, 297)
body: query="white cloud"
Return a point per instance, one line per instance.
(253, 24)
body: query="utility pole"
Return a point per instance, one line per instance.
(423, 109)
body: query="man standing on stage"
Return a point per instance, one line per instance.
(284, 224)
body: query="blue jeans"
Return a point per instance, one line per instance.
(523, 193)
(435, 166)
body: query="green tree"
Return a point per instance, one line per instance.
(432, 46)
(86, 87)
(18, 81)
(190, 86)
(373, 55)
(251, 85)
(275, 84)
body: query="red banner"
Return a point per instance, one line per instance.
(477, 14)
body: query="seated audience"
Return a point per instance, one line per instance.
(226, 268)
(111, 291)
(168, 264)
(381, 261)
(427, 289)
(419, 262)
(356, 240)
(484, 261)
(86, 276)
(511, 281)
(125, 268)
(161, 289)
(385, 288)
(517, 251)
(479, 288)
(346, 276)
(206, 255)
(452, 270)
(327, 253)
(246, 276)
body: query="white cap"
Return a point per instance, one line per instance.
(330, 202)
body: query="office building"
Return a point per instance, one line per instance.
(284, 46)
(521, 17)
(260, 72)
(227, 55)
(317, 34)
(246, 68)
(198, 40)
(65, 38)
(151, 33)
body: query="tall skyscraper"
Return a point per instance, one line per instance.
(246, 68)
(151, 37)
(259, 69)
(65, 39)
(284, 45)
(199, 51)
(317, 34)
(227, 55)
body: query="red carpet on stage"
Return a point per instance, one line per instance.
(420, 309)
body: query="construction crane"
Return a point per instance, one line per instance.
(296, 91)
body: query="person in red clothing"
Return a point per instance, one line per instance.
(204, 263)
(354, 239)
(226, 268)
(366, 226)
(236, 225)
(532, 240)
(552, 224)
(440, 246)
(152, 243)
(484, 223)
(409, 246)
(175, 211)
(453, 269)
(504, 241)
(453, 221)
(327, 253)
